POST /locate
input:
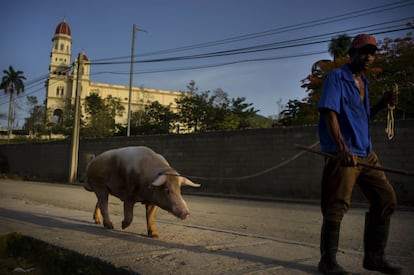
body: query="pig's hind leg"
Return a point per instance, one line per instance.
(102, 196)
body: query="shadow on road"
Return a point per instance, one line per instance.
(90, 228)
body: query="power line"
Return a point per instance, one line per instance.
(303, 25)
(258, 48)
(35, 82)
(237, 61)
(220, 64)
(255, 49)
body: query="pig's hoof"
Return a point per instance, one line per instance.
(109, 225)
(153, 235)
(125, 224)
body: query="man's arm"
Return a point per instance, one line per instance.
(331, 121)
(388, 98)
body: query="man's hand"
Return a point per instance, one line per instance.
(347, 159)
(390, 97)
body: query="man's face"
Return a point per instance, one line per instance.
(363, 58)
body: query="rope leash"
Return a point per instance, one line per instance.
(283, 163)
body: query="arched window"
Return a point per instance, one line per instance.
(57, 116)
(60, 90)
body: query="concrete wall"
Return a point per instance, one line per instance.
(220, 157)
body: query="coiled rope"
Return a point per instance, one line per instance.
(389, 130)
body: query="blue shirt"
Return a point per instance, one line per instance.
(341, 95)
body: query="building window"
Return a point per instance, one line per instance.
(62, 47)
(60, 90)
(57, 116)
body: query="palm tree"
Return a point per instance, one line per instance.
(339, 46)
(12, 82)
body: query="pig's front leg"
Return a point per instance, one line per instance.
(151, 209)
(128, 213)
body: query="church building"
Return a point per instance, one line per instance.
(62, 81)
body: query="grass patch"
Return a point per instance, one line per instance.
(38, 257)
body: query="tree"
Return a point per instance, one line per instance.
(244, 111)
(339, 46)
(192, 88)
(205, 112)
(35, 123)
(114, 106)
(64, 125)
(194, 110)
(155, 118)
(100, 116)
(290, 114)
(393, 65)
(12, 82)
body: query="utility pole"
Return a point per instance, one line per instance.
(131, 74)
(76, 124)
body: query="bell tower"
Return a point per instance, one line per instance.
(58, 85)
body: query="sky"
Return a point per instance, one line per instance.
(282, 39)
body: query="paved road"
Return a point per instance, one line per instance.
(222, 236)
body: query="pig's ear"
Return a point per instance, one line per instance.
(160, 180)
(190, 183)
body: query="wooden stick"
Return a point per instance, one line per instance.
(385, 169)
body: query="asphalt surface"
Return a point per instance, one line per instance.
(222, 236)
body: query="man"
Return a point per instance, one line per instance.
(343, 130)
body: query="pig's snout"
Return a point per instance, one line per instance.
(184, 215)
(181, 213)
(180, 210)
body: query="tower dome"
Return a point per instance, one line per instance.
(63, 28)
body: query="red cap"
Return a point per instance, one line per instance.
(362, 40)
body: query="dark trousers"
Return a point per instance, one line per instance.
(339, 181)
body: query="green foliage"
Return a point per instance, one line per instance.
(201, 112)
(195, 110)
(395, 61)
(65, 124)
(154, 119)
(35, 123)
(339, 45)
(12, 83)
(393, 65)
(100, 116)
